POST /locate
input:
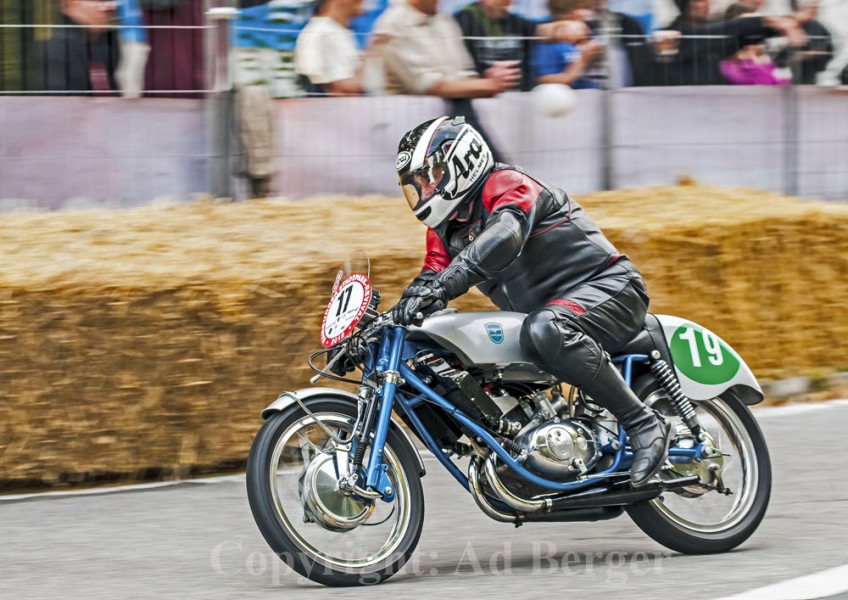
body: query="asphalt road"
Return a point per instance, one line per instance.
(198, 540)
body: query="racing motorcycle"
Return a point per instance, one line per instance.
(334, 477)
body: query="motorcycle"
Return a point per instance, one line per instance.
(334, 478)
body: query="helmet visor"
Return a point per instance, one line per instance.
(420, 185)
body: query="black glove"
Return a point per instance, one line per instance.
(419, 301)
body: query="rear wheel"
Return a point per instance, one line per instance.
(326, 536)
(703, 520)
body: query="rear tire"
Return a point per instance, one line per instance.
(668, 519)
(281, 528)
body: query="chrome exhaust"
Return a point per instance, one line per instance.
(480, 498)
(516, 502)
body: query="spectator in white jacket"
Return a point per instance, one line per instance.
(327, 58)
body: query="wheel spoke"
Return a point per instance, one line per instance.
(328, 446)
(308, 443)
(335, 536)
(710, 511)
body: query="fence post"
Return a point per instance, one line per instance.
(791, 149)
(611, 31)
(219, 102)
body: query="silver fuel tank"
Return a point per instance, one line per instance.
(489, 340)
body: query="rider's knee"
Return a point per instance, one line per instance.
(559, 347)
(541, 338)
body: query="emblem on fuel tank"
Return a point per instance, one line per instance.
(495, 331)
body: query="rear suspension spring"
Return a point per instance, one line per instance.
(682, 404)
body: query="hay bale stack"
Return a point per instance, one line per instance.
(143, 343)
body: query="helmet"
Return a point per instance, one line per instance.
(441, 163)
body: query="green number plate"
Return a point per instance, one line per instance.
(702, 356)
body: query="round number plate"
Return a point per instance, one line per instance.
(345, 309)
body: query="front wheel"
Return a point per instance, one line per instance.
(326, 536)
(719, 517)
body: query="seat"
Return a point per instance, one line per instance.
(650, 338)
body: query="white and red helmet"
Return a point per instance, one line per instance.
(440, 164)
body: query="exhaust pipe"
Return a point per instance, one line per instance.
(516, 502)
(588, 499)
(480, 498)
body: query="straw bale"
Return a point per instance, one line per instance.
(143, 343)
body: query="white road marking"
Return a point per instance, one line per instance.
(136, 487)
(809, 587)
(759, 413)
(141, 487)
(790, 409)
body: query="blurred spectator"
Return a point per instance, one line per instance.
(744, 7)
(753, 66)
(327, 59)
(425, 55)
(619, 55)
(627, 47)
(77, 59)
(692, 13)
(134, 48)
(18, 44)
(817, 52)
(705, 43)
(255, 118)
(82, 58)
(176, 63)
(564, 62)
(493, 35)
(736, 10)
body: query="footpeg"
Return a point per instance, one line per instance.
(678, 482)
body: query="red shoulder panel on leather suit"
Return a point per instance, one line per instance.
(510, 188)
(437, 257)
(503, 188)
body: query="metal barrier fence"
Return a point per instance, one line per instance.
(58, 152)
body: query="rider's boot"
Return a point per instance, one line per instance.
(650, 433)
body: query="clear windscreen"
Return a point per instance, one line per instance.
(357, 262)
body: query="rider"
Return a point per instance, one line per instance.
(532, 249)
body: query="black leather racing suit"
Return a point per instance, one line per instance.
(530, 248)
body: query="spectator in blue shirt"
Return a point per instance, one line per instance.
(565, 62)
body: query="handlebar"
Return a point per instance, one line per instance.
(382, 320)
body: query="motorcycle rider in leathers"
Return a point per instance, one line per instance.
(532, 249)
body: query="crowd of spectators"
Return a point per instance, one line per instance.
(482, 50)
(81, 50)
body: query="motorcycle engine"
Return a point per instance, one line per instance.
(554, 445)
(560, 447)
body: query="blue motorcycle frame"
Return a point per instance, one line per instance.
(324, 456)
(390, 366)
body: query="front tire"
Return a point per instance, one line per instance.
(694, 522)
(278, 460)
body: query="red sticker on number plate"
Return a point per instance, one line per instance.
(345, 309)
